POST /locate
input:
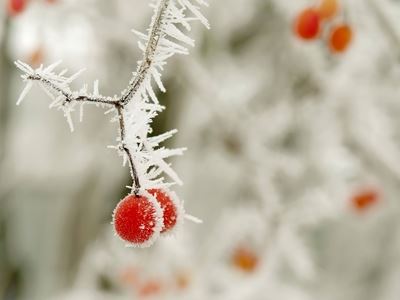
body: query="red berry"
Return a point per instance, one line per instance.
(364, 199)
(16, 6)
(168, 206)
(307, 24)
(137, 220)
(340, 38)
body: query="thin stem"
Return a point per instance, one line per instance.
(122, 132)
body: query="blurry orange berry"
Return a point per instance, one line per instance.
(36, 57)
(328, 8)
(307, 24)
(364, 199)
(150, 288)
(245, 259)
(129, 276)
(340, 38)
(16, 7)
(182, 280)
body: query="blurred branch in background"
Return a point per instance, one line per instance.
(388, 26)
(9, 272)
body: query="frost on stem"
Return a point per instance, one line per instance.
(137, 104)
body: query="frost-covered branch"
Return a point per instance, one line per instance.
(152, 42)
(137, 104)
(123, 147)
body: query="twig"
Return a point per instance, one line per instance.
(69, 97)
(166, 14)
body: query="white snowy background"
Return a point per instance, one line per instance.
(280, 135)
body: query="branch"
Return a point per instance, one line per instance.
(70, 97)
(146, 163)
(153, 40)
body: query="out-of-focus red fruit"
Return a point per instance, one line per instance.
(340, 38)
(150, 288)
(16, 7)
(129, 276)
(182, 280)
(245, 259)
(364, 199)
(307, 24)
(36, 57)
(327, 9)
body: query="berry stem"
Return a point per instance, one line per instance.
(123, 147)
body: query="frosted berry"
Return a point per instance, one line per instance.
(136, 220)
(340, 38)
(307, 24)
(170, 213)
(328, 9)
(16, 6)
(364, 199)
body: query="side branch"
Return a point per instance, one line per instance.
(135, 83)
(154, 38)
(70, 97)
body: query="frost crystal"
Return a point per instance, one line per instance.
(137, 105)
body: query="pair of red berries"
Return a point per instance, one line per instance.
(138, 219)
(308, 25)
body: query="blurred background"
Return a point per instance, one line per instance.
(289, 110)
